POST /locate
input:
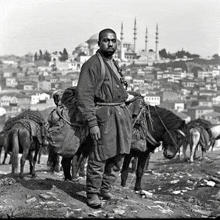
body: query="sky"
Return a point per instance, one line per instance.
(52, 25)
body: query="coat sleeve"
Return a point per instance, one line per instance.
(86, 87)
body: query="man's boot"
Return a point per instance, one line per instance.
(107, 195)
(93, 201)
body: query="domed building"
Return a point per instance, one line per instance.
(127, 48)
(93, 44)
(126, 51)
(82, 48)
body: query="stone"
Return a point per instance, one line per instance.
(31, 200)
(45, 196)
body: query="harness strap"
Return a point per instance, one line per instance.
(67, 121)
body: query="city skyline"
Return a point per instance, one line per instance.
(52, 25)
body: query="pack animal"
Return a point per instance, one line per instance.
(158, 124)
(24, 136)
(63, 141)
(201, 133)
(163, 126)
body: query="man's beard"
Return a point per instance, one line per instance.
(109, 52)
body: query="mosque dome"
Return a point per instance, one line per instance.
(83, 45)
(94, 37)
(95, 46)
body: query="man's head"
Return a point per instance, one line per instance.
(107, 42)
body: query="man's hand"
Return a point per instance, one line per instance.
(95, 133)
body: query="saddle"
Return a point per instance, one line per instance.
(140, 124)
(201, 124)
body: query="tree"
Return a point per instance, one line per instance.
(47, 56)
(216, 56)
(41, 55)
(195, 70)
(163, 53)
(64, 55)
(35, 56)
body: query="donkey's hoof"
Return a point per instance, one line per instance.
(34, 175)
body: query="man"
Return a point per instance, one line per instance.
(101, 100)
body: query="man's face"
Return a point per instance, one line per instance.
(108, 44)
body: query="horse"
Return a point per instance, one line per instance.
(200, 132)
(163, 126)
(25, 136)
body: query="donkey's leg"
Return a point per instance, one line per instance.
(5, 157)
(193, 150)
(185, 145)
(26, 148)
(134, 164)
(58, 166)
(23, 159)
(39, 156)
(142, 159)
(124, 170)
(202, 153)
(82, 162)
(30, 159)
(15, 152)
(66, 164)
(78, 165)
(37, 149)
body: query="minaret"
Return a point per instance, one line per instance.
(122, 38)
(146, 41)
(156, 42)
(135, 35)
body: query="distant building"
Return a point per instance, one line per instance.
(198, 111)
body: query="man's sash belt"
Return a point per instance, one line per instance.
(122, 104)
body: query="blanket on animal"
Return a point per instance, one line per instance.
(204, 137)
(28, 114)
(201, 123)
(30, 125)
(32, 120)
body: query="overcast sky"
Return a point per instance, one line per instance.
(52, 25)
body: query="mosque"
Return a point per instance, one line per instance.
(126, 52)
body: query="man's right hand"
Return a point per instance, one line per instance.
(95, 133)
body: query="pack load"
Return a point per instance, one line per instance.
(28, 114)
(32, 120)
(66, 130)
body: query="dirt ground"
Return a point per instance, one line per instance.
(174, 189)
